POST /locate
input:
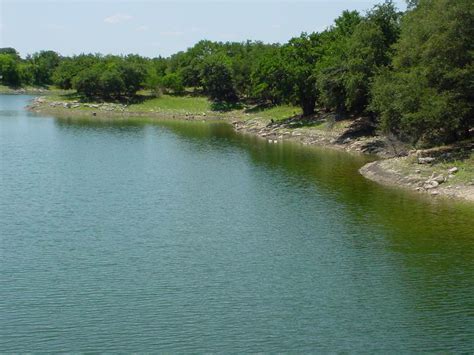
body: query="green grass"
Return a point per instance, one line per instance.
(465, 173)
(277, 113)
(182, 104)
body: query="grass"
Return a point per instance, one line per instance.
(465, 173)
(276, 113)
(182, 104)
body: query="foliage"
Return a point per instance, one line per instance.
(217, 78)
(110, 78)
(173, 82)
(269, 79)
(44, 63)
(428, 96)
(300, 56)
(9, 71)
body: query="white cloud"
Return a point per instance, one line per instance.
(172, 33)
(117, 18)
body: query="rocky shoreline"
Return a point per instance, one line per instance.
(397, 165)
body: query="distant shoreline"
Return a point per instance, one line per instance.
(397, 165)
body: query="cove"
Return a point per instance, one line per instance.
(188, 237)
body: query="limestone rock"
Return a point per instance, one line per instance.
(426, 160)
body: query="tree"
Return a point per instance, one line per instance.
(133, 76)
(173, 82)
(10, 51)
(300, 55)
(369, 50)
(331, 69)
(9, 71)
(270, 79)
(44, 64)
(217, 78)
(428, 97)
(87, 82)
(111, 84)
(68, 68)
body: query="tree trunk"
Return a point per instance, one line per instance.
(308, 106)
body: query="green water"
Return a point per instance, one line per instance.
(187, 237)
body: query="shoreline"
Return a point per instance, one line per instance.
(397, 165)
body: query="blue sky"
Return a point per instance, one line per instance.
(153, 28)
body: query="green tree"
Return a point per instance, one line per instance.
(369, 50)
(10, 51)
(270, 79)
(331, 69)
(428, 97)
(173, 82)
(87, 82)
(111, 84)
(9, 70)
(217, 78)
(300, 55)
(44, 63)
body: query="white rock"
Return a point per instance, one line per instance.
(426, 160)
(439, 179)
(430, 184)
(453, 170)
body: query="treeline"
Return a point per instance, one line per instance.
(412, 71)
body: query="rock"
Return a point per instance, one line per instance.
(426, 160)
(270, 141)
(453, 170)
(434, 192)
(275, 141)
(439, 179)
(430, 184)
(418, 171)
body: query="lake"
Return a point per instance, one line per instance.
(134, 235)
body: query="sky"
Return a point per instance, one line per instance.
(155, 27)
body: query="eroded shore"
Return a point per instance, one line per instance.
(445, 172)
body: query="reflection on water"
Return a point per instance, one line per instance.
(187, 237)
